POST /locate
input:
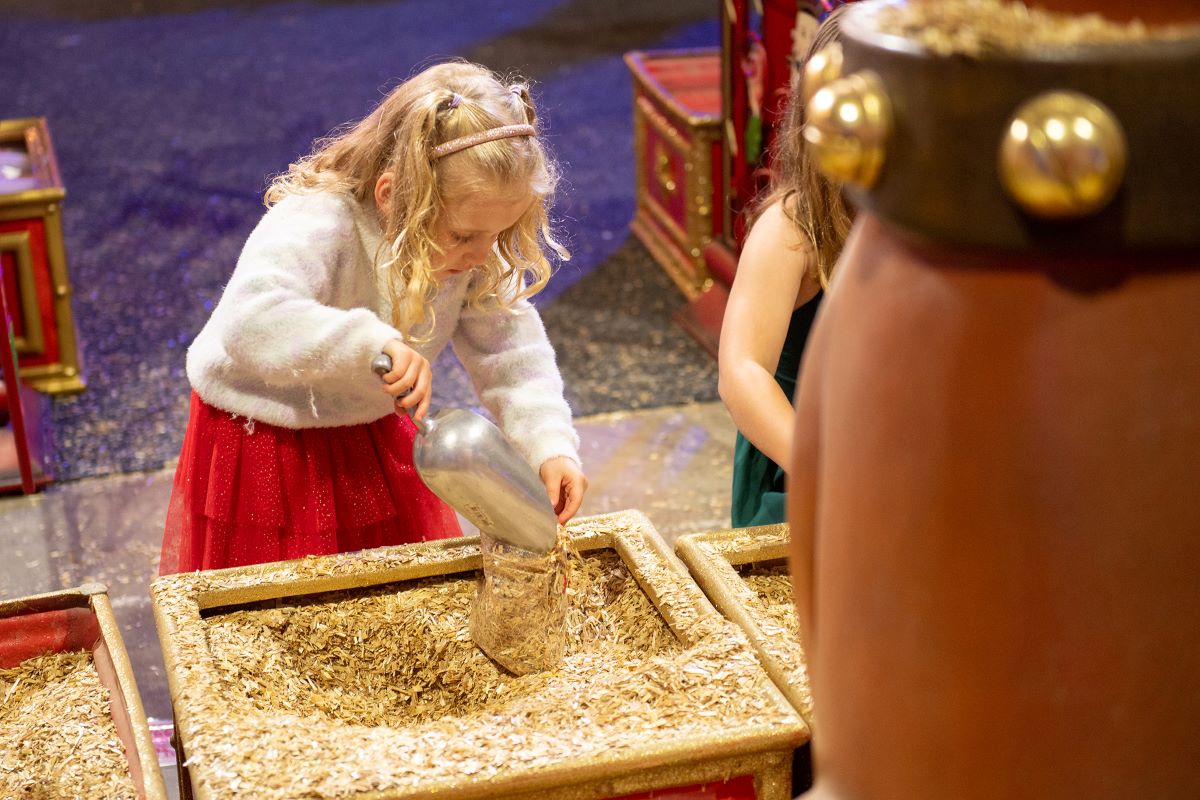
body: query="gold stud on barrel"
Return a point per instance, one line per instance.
(1062, 156)
(822, 68)
(847, 127)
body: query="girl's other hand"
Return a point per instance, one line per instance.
(410, 380)
(565, 485)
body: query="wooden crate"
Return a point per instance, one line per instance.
(34, 258)
(715, 749)
(82, 620)
(721, 562)
(677, 149)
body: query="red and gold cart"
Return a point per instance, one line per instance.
(84, 730)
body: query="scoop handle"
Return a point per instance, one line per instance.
(381, 365)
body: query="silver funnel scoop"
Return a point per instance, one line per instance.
(466, 461)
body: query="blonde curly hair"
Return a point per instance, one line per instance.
(443, 102)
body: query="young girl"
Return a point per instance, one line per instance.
(786, 262)
(422, 225)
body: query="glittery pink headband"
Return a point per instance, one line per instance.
(490, 135)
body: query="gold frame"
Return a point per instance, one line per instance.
(18, 244)
(679, 251)
(711, 558)
(111, 661)
(763, 750)
(62, 377)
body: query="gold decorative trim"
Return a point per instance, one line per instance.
(147, 757)
(33, 340)
(67, 378)
(662, 170)
(34, 135)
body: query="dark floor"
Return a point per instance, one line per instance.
(168, 117)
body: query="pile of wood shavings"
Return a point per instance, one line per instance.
(771, 604)
(773, 587)
(57, 736)
(402, 654)
(625, 684)
(979, 28)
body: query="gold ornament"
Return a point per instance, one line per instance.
(847, 127)
(823, 67)
(1062, 156)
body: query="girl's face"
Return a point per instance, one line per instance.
(468, 228)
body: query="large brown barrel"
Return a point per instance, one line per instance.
(994, 504)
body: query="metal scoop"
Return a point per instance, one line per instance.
(465, 460)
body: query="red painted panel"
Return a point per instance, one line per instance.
(29, 635)
(719, 199)
(674, 203)
(739, 788)
(693, 80)
(8, 265)
(43, 286)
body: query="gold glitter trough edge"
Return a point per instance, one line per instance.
(125, 698)
(761, 748)
(712, 557)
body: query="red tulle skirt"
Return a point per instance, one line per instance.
(246, 493)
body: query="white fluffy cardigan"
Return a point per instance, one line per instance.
(291, 341)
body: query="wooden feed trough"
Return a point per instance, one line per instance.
(71, 720)
(355, 676)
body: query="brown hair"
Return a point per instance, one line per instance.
(440, 103)
(812, 202)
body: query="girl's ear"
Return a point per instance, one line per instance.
(383, 191)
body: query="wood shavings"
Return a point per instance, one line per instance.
(741, 540)
(403, 653)
(772, 587)
(519, 613)
(750, 578)
(982, 28)
(771, 604)
(381, 689)
(57, 736)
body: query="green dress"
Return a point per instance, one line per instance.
(758, 497)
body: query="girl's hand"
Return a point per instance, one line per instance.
(565, 485)
(410, 380)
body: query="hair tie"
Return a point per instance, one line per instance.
(517, 89)
(455, 99)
